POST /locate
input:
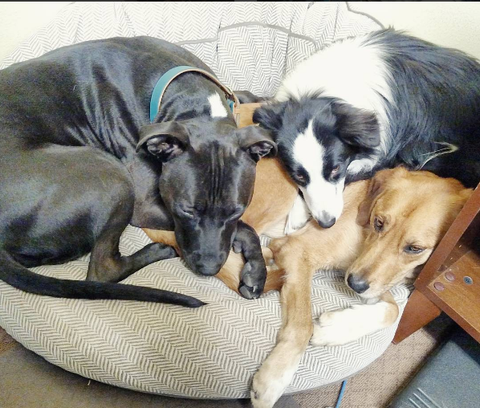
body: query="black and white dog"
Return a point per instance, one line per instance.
(371, 102)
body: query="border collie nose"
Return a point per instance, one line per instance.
(325, 220)
(359, 285)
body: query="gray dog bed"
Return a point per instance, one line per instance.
(211, 352)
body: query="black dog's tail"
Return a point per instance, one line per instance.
(19, 277)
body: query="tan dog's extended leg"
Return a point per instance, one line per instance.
(346, 325)
(300, 255)
(277, 370)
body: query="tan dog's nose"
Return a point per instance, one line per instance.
(357, 283)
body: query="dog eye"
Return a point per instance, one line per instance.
(185, 212)
(413, 249)
(378, 224)
(236, 213)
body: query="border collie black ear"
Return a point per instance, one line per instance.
(270, 116)
(357, 127)
(257, 142)
(165, 141)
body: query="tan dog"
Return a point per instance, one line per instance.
(389, 228)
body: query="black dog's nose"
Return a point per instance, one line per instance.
(326, 221)
(208, 265)
(358, 284)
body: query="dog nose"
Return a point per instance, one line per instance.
(325, 220)
(208, 265)
(358, 284)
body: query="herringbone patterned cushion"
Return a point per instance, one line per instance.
(211, 352)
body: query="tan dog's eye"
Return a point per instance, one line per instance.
(378, 224)
(413, 249)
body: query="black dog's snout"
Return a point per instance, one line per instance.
(358, 284)
(208, 265)
(326, 221)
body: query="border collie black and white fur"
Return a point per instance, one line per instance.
(371, 102)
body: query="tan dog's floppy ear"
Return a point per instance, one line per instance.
(376, 187)
(165, 140)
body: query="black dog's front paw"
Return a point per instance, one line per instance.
(252, 280)
(162, 251)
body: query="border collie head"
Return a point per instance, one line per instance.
(317, 140)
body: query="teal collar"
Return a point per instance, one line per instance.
(171, 74)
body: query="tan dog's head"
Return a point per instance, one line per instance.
(406, 214)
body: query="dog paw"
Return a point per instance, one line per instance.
(252, 280)
(265, 392)
(298, 216)
(347, 325)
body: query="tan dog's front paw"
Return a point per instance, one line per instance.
(347, 325)
(267, 388)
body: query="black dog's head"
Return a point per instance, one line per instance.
(206, 182)
(317, 140)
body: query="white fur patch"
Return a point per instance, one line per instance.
(216, 106)
(350, 70)
(298, 216)
(360, 165)
(324, 199)
(347, 325)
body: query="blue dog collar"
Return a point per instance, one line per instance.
(171, 74)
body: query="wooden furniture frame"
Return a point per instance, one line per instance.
(450, 280)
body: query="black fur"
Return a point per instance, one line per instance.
(80, 161)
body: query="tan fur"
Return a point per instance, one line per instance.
(416, 207)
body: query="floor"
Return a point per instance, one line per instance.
(26, 380)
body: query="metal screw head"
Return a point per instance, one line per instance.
(450, 276)
(439, 286)
(468, 280)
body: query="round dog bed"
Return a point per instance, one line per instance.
(213, 351)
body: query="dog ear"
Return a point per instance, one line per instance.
(257, 142)
(375, 188)
(165, 141)
(357, 127)
(270, 116)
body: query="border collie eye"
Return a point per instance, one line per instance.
(300, 178)
(378, 224)
(413, 249)
(335, 171)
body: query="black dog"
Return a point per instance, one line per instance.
(80, 161)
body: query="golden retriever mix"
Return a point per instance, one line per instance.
(389, 228)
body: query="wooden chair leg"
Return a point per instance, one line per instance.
(418, 312)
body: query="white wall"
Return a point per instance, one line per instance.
(18, 21)
(453, 24)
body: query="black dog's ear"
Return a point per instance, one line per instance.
(270, 116)
(165, 141)
(355, 126)
(248, 97)
(257, 142)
